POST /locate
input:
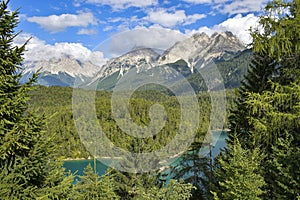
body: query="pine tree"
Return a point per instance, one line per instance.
(91, 186)
(145, 185)
(276, 130)
(276, 58)
(280, 39)
(284, 169)
(174, 190)
(267, 113)
(237, 175)
(194, 169)
(28, 166)
(261, 70)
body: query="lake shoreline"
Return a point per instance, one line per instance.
(91, 158)
(77, 159)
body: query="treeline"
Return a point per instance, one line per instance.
(56, 104)
(261, 160)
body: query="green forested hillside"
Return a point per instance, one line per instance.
(261, 160)
(56, 103)
(232, 71)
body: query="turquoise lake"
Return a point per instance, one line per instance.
(77, 166)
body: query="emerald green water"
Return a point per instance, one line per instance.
(77, 166)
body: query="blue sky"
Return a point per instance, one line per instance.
(60, 24)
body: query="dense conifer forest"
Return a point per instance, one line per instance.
(56, 103)
(261, 160)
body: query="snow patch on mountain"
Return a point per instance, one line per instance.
(202, 47)
(71, 58)
(139, 58)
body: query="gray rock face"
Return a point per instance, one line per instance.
(199, 47)
(66, 65)
(137, 58)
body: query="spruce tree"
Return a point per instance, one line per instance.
(237, 175)
(174, 190)
(28, 166)
(280, 39)
(145, 185)
(276, 122)
(261, 70)
(276, 58)
(266, 116)
(284, 170)
(91, 186)
(194, 168)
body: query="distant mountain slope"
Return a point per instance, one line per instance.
(201, 46)
(227, 52)
(232, 71)
(225, 49)
(59, 72)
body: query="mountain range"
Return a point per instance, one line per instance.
(186, 57)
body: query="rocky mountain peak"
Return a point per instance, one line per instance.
(135, 58)
(200, 36)
(198, 47)
(201, 46)
(66, 64)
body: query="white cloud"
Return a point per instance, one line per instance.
(190, 19)
(233, 7)
(198, 1)
(153, 37)
(108, 28)
(121, 4)
(238, 25)
(115, 20)
(166, 2)
(239, 6)
(57, 23)
(165, 18)
(171, 19)
(87, 32)
(38, 50)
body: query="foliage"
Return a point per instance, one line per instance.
(280, 38)
(276, 130)
(237, 175)
(284, 169)
(92, 186)
(28, 165)
(174, 190)
(261, 70)
(267, 111)
(146, 186)
(194, 169)
(56, 102)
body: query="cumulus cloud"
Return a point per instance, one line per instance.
(57, 23)
(87, 32)
(171, 19)
(190, 19)
(108, 28)
(38, 50)
(238, 25)
(121, 4)
(153, 37)
(239, 6)
(115, 20)
(198, 1)
(233, 7)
